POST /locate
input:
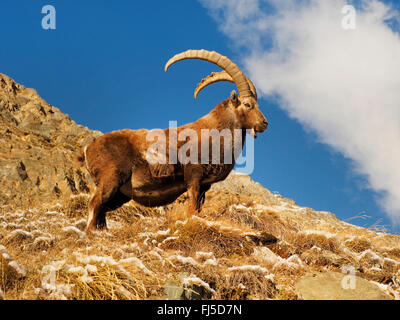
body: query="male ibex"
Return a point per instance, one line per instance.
(119, 165)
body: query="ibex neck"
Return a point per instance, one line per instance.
(220, 118)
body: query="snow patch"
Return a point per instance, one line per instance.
(20, 270)
(238, 207)
(6, 256)
(373, 255)
(196, 280)
(54, 213)
(249, 268)
(19, 234)
(184, 260)
(74, 230)
(270, 277)
(102, 260)
(169, 239)
(138, 263)
(212, 262)
(216, 224)
(75, 270)
(85, 278)
(181, 223)
(156, 254)
(91, 268)
(318, 232)
(205, 255)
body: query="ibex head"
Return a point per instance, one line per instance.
(245, 106)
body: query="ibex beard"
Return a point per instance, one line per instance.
(129, 164)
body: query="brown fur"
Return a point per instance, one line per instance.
(117, 163)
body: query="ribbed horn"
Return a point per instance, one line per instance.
(252, 87)
(223, 62)
(217, 77)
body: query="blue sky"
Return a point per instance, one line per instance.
(103, 65)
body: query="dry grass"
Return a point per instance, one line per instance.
(243, 285)
(234, 207)
(195, 235)
(302, 242)
(109, 283)
(358, 245)
(146, 248)
(393, 253)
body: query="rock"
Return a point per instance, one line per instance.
(244, 185)
(192, 288)
(265, 254)
(264, 238)
(334, 286)
(173, 291)
(196, 289)
(37, 146)
(197, 292)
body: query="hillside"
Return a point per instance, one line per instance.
(37, 142)
(247, 243)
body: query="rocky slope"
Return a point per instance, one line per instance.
(247, 243)
(37, 142)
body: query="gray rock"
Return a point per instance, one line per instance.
(334, 286)
(173, 291)
(196, 292)
(176, 291)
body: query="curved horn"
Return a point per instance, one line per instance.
(221, 61)
(252, 87)
(217, 77)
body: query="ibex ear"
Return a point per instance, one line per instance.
(234, 98)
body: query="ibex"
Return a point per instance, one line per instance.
(121, 171)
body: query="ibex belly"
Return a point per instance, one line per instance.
(154, 191)
(215, 172)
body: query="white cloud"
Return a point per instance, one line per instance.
(342, 84)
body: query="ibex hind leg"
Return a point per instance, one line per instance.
(202, 198)
(104, 199)
(197, 195)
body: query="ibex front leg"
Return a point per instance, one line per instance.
(197, 195)
(194, 198)
(193, 178)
